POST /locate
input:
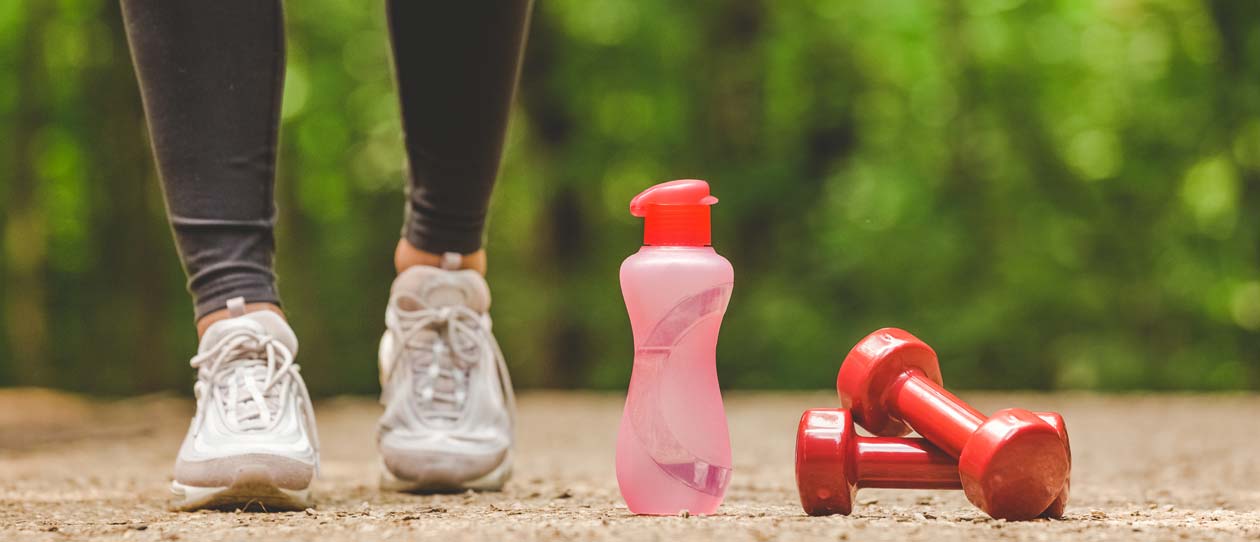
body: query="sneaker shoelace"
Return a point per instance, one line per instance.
(442, 346)
(250, 376)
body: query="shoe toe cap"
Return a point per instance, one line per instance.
(283, 472)
(430, 464)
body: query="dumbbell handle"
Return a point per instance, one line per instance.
(933, 412)
(903, 463)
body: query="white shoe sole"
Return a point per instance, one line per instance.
(250, 491)
(492, 481)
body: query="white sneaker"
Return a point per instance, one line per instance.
(252, 441)
(448, 399)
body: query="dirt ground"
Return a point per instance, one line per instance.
(1145, 468)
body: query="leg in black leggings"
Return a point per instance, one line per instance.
(456, 65)
(212, 73)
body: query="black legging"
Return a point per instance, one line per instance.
(211, 74)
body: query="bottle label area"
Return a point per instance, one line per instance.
(651, 426)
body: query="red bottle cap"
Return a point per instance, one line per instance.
(675, 213)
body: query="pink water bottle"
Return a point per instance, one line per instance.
(673, 447)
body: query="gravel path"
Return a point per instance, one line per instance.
(1145, 468)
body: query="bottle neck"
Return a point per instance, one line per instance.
(677, 225)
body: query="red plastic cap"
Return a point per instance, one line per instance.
(675, 213)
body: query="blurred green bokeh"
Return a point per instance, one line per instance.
(1053, 194)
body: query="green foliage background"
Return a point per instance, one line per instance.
(1060, 194)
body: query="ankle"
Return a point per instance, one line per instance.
(407, 256)
(223, 314)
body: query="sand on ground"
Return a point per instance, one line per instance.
(1146, 467)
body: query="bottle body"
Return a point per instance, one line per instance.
(673, 445)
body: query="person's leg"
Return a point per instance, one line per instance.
(456, 65)
(211, 74)
(449, 406)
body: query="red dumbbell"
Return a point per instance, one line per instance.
(833, 462)
(1012, 464)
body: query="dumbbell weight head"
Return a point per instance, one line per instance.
(1014, 465)
(825, 476)
(869, 371)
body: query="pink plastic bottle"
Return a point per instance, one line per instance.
(673, 447)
